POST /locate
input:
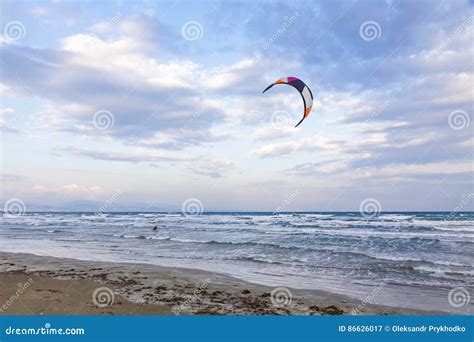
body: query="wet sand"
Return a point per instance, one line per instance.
(40, 285)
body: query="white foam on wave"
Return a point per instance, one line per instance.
(274, 236)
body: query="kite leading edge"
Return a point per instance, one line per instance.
(302, 88)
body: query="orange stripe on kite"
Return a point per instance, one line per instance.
(302, 88)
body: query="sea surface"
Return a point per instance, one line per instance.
(401, 259)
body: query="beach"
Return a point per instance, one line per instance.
(416, 261)
(57, 286)
(419, 261)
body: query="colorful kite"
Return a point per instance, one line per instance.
(303, 89)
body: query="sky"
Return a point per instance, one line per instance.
(156, 105)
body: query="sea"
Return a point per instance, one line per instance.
(421, 260)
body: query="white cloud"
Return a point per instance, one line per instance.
(275, 150)
(71, 190)
(136, 156)
(377, 116)
(213, 168)
(273, 132)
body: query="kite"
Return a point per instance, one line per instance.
(303, 89)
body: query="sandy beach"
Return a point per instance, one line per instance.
(39, 285)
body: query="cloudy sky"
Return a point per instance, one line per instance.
(146, 104)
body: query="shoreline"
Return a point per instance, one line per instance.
(62, 286)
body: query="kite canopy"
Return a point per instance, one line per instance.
(303, 89)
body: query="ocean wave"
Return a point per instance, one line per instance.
(462, 229)
(421, 247)
(396, 217)
(423, 284)
(256, 260)
(158, 238)
(336, 250)
(386, 234)
(469, 273)
(323, 216)
(131, 236)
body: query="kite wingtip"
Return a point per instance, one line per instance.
(299, 123)
(271, 85)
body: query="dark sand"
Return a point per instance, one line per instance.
(39, 285)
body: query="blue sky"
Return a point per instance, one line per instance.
(161, 101)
